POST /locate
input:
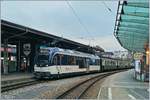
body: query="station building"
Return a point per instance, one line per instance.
(20, 44)
(12, 59)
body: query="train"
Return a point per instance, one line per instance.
(54, 62)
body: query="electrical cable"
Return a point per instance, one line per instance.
(106, 6)
(77, 17)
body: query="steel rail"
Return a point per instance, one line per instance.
(90, 85)
(19, 85)
(86, 84)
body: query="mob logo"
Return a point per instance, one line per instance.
(27, 49)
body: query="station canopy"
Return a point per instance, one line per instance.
(132, 24)
(13, 33)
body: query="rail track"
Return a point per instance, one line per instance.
(19, 85)
(87, 83)
(77, 91)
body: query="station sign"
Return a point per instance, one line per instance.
(27, 49)
(9, 49)
(138, 56)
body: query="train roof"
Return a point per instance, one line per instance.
(57, 50)
(114, 58)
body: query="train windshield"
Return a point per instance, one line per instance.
(43, 60)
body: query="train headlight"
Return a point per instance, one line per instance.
(35, 65)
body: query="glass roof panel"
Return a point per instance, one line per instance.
(134, 25)
(129, 27)
(139, 35)
(132, 29)
(132, 43)
(130, 38)
(135, 19)
(138, 4)
(139, 11)
(139, 31)
(141, 1)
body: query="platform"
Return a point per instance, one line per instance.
(123, 86)
(13, 77)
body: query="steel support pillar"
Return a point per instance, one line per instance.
(18, 56)
(32, 56)
(5, 56)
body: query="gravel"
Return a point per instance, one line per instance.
(46, 90)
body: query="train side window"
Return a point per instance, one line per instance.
(103, 62)
(64, 60)
(82, 63)
(93, 61)
(55, 60)
(71, 60)
(97, 62)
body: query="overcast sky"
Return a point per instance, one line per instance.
(90, 22)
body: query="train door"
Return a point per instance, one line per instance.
(56, 61)
(81, 62)
(101, 65)
(87, 64)
(117, 61)
(60, 64)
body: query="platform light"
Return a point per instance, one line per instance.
(147, 52)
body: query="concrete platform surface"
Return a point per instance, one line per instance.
(16, 76)
(123, 86)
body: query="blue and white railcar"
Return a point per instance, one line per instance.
(56, 61)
